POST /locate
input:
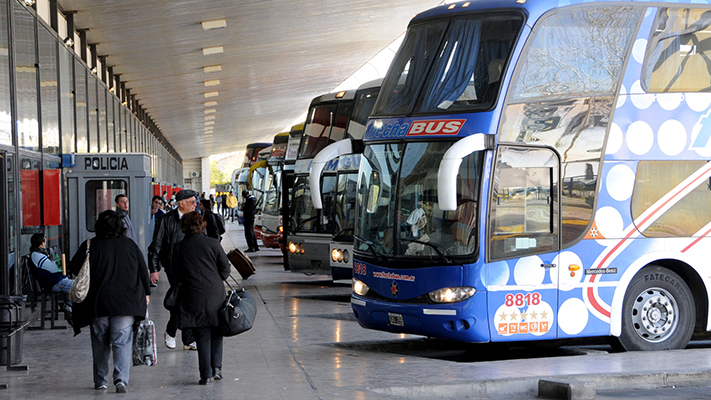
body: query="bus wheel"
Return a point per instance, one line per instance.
(658, 312)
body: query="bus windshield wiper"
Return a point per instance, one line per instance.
(368, 243)
(434, 246)
(300, 224)
(342, 233)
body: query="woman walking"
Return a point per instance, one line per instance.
(201, 266)
(118, 295)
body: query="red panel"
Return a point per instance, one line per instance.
(30, 197)
(156, 190)
(51, 186)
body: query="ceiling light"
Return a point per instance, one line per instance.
(208, 123)
(69, 42)
(215, 24)
(94, 70)
(212, 68)
(112, 90)
(29, 3)
(209, 103)
(210, 111)
(209, 118)
(212, 50)
(211, 94)
(213, 82)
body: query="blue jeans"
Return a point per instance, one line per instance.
(63, 286)
(112, 334)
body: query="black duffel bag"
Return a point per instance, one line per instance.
(237, 312)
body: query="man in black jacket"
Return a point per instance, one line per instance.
(249, 211)
(160, 253)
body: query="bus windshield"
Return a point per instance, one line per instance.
(446, 66)
(326, 124)
(398, 213)
(363, 107)
(345, 206)
(305, 216)
(271, 194)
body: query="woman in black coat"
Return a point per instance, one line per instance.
(118, 295)
(201, 266)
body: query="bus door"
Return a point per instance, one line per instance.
(522, 276)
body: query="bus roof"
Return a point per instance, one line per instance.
(258, 145)
(333, 97)
(281, 138)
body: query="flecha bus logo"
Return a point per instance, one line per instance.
(436, 127)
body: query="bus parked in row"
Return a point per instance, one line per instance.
(341, 200)
(534, 171)
(287, 186)
(310, 228)
(272, 229)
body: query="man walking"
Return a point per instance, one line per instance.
(249, 211)
(231, 205)
(122, 210)
(166, 237)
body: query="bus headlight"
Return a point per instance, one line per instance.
(281, 229)
(359, 287)
(451, 295)
(336, 255)
(292, 247)
(346, 256)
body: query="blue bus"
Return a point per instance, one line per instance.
(540, 170)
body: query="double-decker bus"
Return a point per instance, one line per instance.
(310, 228)
(287, 185)
(340, 201)
(272, 229)
(536, 171)
(257, 178)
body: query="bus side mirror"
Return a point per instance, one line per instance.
(449, 167)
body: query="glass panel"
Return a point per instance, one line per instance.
(100, 197)
(678, 57)
(328, 190)
(26, 79)
(103, 137)
(110, 122)
(48, 91)
(271, 196)
(524, 217)
(362, 108)
(92, 107)
(345, 206)
(81, 109)
(576, 52)
(687, 217)
(66, 90)
(317, 130)
(338, 132)
(303, 212)
(5, 105)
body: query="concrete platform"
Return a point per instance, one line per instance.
(306, 345)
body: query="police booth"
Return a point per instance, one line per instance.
(93, 182)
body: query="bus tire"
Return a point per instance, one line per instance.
(658, 312)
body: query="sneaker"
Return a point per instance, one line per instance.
(120, 387)
(191, 346)
(100, 387)
(169, 341)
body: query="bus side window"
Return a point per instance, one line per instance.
(524, 210)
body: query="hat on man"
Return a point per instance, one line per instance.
(185, 194)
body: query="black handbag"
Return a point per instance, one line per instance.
(171, 297)
(237, 312)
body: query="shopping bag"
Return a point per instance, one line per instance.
(80, 287)
(145, 350)
(237, 312)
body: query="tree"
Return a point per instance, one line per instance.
(217, 177)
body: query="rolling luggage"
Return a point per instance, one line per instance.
(242, 263)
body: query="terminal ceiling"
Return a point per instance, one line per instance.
(277, 56)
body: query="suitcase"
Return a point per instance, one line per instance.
(242, 263)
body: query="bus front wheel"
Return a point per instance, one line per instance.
(658, 312)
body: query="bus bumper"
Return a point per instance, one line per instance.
(270, 240)
(465, 321)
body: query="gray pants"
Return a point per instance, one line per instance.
(112, 334)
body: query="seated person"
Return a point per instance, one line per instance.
(417, 220)
(45, 270)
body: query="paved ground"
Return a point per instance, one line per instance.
(306, 345)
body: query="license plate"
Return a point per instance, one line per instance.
(396, 319)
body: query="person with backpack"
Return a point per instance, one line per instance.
(215, 227)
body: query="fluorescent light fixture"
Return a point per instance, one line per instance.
(208, 123)
(212, 50)
(69, 42)
(29, 3)
(209, 118)
(94, 70)
(213, 82)
(210, 111)
(214, 24)
(211, 94)
(212, 68)
(209, 103)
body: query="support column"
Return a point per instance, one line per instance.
(205, 175)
